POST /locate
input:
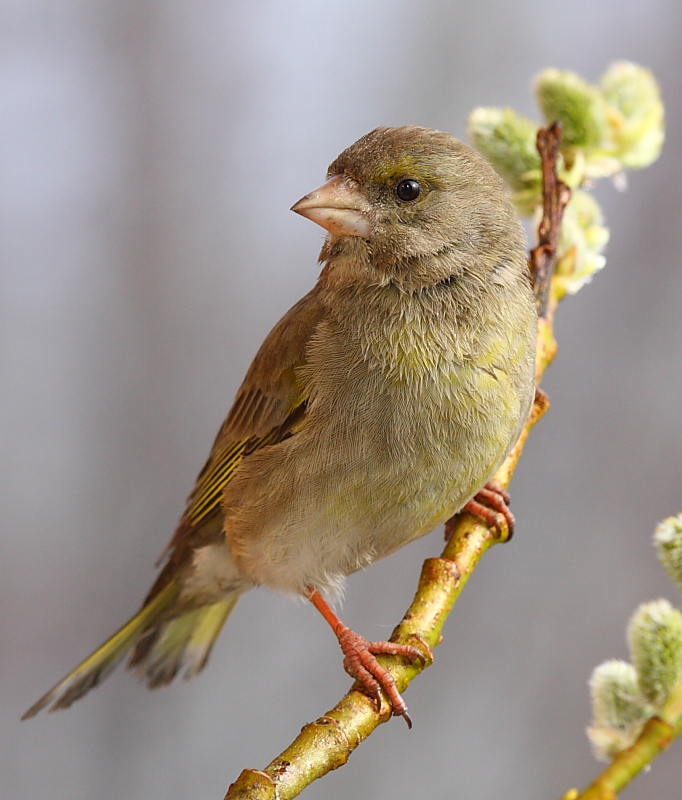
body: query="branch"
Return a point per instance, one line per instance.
(658, 733)
(327, 743)
(555, 196)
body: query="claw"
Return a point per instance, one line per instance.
(491, 504)
(360, 660)
(369, 684)
(360, 663)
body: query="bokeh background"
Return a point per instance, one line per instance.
(149, 152)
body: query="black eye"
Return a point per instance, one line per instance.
(408, 189)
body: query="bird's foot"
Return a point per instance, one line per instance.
(360, 659)
(360, 663)
(491, 504)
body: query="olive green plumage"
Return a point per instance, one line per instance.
(373, 411)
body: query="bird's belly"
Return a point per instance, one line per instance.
(368, 488)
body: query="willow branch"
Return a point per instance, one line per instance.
(656, 736)
(326, 743)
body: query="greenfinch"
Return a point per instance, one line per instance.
(380, 405)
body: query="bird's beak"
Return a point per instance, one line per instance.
(338, 206)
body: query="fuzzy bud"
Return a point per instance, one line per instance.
(507, 140)
(578, 106)
(655, 640)
(619, 710)
(635, 112)
(583, 237)
(668, 544)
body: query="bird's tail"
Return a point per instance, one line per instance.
(184, 642)
(162, 647)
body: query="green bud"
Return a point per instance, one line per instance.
(507, 140)
(655, 640)
(668, 544)
(616, 699)
(619, 710)
(578, 106)
(635, 113)
(583, 237)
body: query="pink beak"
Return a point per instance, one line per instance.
(338, 206)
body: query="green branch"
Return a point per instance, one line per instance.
(656, 736)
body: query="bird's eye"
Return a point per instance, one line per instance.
(408, 189)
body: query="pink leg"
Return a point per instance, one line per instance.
(360, 662)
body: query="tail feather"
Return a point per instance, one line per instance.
(104, 660)
(205, 634)
(185, 642)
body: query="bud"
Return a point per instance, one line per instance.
(578, 106)
(507, 140)
(619, 710)
(655, 640)
(635, 114)
(668, 544)
(583, 237)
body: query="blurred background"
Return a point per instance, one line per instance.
(149, 153)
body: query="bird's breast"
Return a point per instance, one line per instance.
(427, 406)
(408, 415)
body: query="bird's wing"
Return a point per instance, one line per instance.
(269, 407)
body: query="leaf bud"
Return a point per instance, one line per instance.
(635, 113)
(655, 641)
(583, 237)
(618, 708)
(507, 140)
(580, 108)
(668, 544)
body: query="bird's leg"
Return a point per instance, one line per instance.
(491, 504)
(360, 662)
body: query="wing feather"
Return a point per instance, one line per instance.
(269, 407)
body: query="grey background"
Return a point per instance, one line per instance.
(149, 154)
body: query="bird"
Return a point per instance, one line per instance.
(380, 405)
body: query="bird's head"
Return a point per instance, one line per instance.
(403, 195)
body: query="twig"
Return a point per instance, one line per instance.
(656, 736)
(555, 196)
(327, 743)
